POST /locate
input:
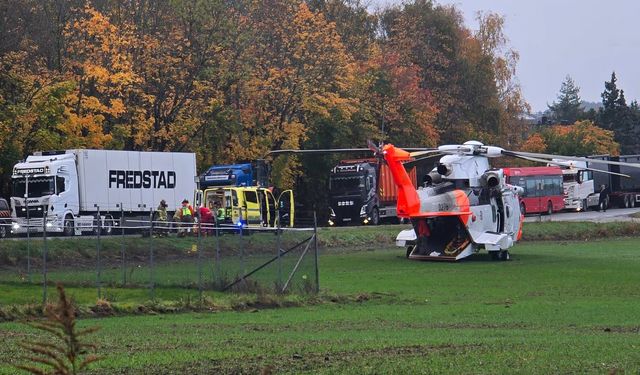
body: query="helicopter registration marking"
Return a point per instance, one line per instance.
(444, 207)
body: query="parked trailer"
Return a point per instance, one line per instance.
(362, 191)
(72, 189)
(625, 192)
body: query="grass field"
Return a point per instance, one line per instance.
(557, 307)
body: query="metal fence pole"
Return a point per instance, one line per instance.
(44, 258)
(218, 265)
(279, 250)
(26, 205)
(123, 255)
(242, 265)
(199, 255)
(315, 251)
(98, 227)
(151, 260)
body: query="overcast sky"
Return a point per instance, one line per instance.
(586, 39)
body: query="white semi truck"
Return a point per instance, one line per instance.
(578, 185)
(77, 191)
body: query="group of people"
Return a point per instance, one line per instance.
(185, 216)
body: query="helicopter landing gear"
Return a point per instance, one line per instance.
(502, 255)
(410, 250)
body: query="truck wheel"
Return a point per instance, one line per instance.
(549, 208)
(523, 211)
(69, 230)
(585, 208)
(375, 216)
(3, 230)
(627, 201)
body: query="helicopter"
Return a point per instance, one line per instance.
(463, 205)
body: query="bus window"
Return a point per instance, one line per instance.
(530, 189)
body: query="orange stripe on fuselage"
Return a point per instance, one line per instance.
(461, 204)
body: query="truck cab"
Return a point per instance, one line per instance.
(352, 193)
(227, 175)
(577, 184)
(241, 174)
(44, 186)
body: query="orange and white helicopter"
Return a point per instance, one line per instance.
(464, 205)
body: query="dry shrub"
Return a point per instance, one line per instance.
(64, 353)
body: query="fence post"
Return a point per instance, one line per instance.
(26, 205)
(315, 251)
(218, 266)
(199, 216)
(44, 257)
(279, 245)
(151, 261)
(98, 248)
(123, 255)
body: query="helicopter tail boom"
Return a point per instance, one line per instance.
(408, 200)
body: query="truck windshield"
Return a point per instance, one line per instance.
(38, 187)
(346, 184)
(569, 178)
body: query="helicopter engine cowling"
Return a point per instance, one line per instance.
(432, 178)
(444, 169)
(492, 178)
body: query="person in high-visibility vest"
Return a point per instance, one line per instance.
(185, 213)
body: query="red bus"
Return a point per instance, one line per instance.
(543, 192)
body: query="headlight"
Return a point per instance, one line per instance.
(363, 210)
(16, 226)
(49, 225)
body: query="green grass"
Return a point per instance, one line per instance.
(557, 307)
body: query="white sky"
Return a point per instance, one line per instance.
(586, 39)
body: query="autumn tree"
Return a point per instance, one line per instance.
(581, 139)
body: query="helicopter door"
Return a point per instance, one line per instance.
(286, 210)
(510, 213)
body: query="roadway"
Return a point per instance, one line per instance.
(616, 214)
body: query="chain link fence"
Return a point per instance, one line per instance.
(166, 257)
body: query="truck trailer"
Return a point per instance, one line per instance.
(625, 192)
(362, 191)
(83, 190)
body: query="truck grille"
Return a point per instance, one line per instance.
(34, 211)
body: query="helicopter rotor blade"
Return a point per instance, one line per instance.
(317, 151)
(409, 163)
(424, 152)
(578, 158)
(564, 165)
